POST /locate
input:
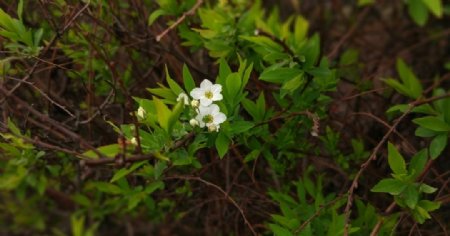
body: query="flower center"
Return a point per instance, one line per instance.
(208, 118)
(209, 94)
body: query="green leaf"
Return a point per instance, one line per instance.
(175, 114)
(418, 162)
(391, 186)
(432, 123)
(435, 6)
(224, 71)
(189, 83)
(291, 85)
(425, 133)
(411, 196)
(241, 126)
(311, 51)
(279, 231)
(233, 86)
(429, 205)
(109, 151)
(176, 89)
(154, 186)
(396, 161)
(400, 88)
(418, 11)
(164, 93)
(163, 113)
(279, 75)
(438, 145)
(409, 79)
(124, 171)
(107, 187)
(155, 15)
(222, 143)
(425, 188)
(20, 10)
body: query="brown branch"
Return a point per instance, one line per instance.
(354, 184)
(223, 192)
(180, 20)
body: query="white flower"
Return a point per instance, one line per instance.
(207, 93)
(193, 122)
(141, 112)
(210, 116)
(195, 103)
(183, 97)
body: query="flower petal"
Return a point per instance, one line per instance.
(205, 102)
(197, 93)
(199, 118)
(216, 88)
(205, 84)
(217, 97)
(219, 118)
(214, 109)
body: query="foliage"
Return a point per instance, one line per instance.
(224, 117)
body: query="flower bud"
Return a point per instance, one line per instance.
(195, 103)
(134, 141)
(193, 122)
(183, 97)
(213, 127)
(141, 112)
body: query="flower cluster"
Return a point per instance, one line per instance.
(208, 113)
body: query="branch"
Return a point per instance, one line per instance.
(179, 20)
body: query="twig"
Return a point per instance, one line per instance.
(179, 20)
(349, 33)
(372, 157)
(49, 45)
(223, 192)
(45, 95)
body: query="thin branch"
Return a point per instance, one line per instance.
(223, 192)
(180, 20)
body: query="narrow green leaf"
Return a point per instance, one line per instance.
(411, 196)
(432, 123)
(222, 143)
(189, 83)
(418, 11)
(108, 150)
(409, 79)
(425, 188)
(438, 145)
(435, 6)
(176, 89)
(155, 15)
(20, 10)
(429, 205)
(391, 186)
(124, 171)
(107, 187)
(418, 162)
(396, 161)
(279, 75)
(163, 113)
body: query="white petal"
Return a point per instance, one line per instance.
(216, 88)
(214, 109)
(219, 118)
(205, 84)
(199, 118)
(205, 102)
(217, 97)
(197, 93)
